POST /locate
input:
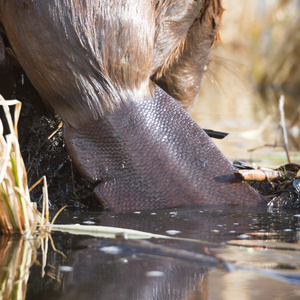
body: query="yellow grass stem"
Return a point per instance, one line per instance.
(17, 214)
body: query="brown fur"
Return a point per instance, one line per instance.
(110, 50)
(181, 74)
(94, 62)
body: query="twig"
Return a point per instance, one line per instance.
(283, 127)
(265, 146)
(55, 131)
(259, 175)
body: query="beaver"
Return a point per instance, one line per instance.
(123, 76)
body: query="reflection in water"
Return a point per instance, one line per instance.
(98, 268)
(130, 276)
(16, 257)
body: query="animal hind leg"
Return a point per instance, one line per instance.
(182, 78)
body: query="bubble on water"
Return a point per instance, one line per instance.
(111, 250)
(88, 222)
(173, 232)
(244, 236)
(155, 274)
(66, 269)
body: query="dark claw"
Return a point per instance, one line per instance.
(215, 134)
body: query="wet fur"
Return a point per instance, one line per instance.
(111, 50)
(96, 63)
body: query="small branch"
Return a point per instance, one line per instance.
(55, 131)
(259, 175)
(265, 146)
(283, 127)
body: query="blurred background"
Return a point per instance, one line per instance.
(256, 61)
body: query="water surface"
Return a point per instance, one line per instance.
(244, 254)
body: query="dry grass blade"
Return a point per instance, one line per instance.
(116, 232)
(17, 214)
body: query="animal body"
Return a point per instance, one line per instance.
(122, 74)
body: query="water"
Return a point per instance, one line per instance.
(244, 254)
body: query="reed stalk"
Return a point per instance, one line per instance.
(17, 213)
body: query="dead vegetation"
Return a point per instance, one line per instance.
(17, 213)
